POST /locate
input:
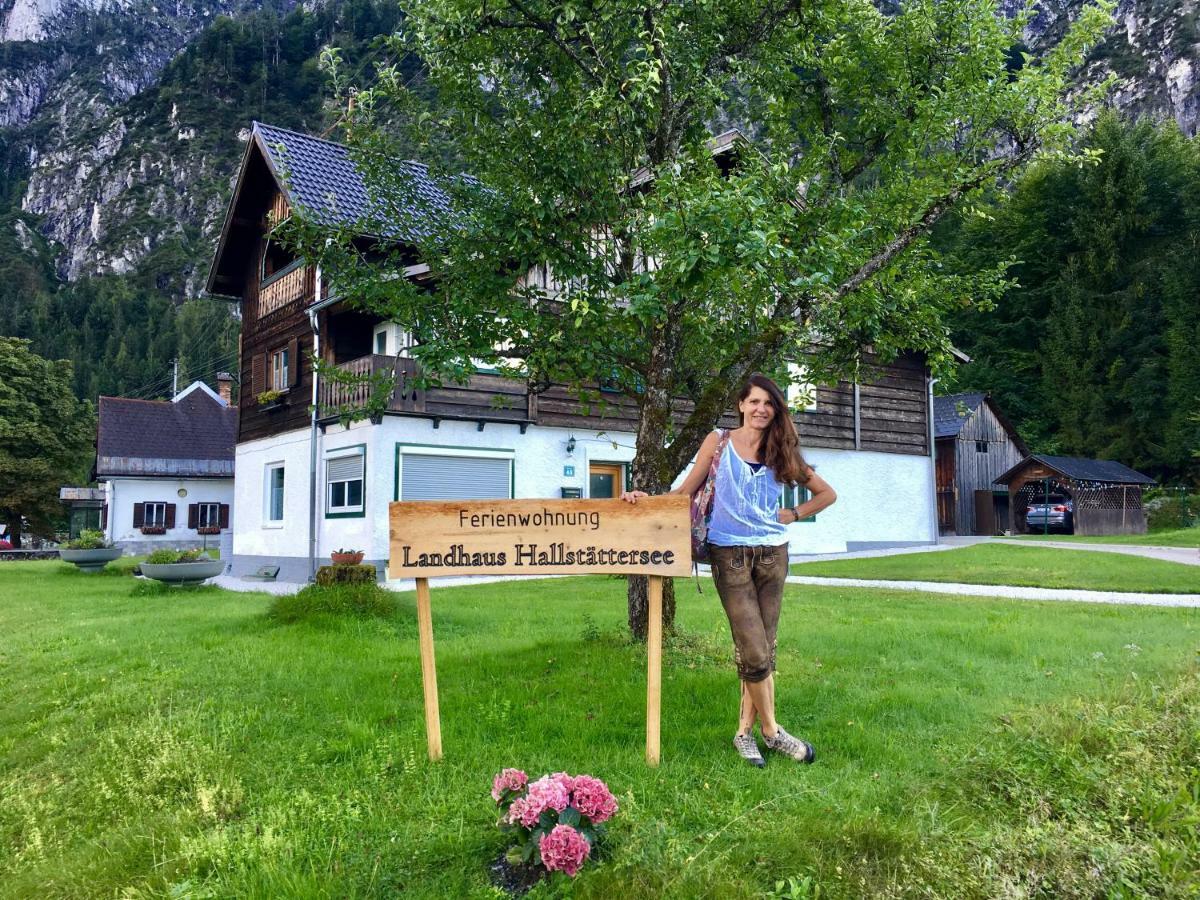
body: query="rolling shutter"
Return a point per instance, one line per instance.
(344, 468)
(455, 478)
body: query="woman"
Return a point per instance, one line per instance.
(748, 547)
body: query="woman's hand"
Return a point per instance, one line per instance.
(633, 496)
(785, 516)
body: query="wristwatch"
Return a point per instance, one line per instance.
(795, 514)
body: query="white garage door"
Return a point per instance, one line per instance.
(426, 477)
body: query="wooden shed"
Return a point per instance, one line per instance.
(975, 443)
(1107, 495)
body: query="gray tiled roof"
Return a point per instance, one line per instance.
(192, 437)
(1080, 469)
(950, 413)
(321, 178)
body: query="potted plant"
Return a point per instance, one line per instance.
(153, 529)
(346, 557)
(89, 552)
(270, 399)
(181, 566)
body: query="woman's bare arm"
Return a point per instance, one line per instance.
(822, 497)
(694, 478)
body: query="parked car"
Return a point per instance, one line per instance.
(5, 544)
(1056, 515)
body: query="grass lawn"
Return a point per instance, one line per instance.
(1028, 566)
(181, 743)
(1175, 537)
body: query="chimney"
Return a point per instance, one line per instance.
(225, 386)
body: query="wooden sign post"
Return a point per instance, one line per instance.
(541, 537)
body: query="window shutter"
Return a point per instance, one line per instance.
(344, 468)
(258, 373)
(223, 516)
(193, 515)
(293, 348)
(170, 515)
(139, 515)
(104, 517)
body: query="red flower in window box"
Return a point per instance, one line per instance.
(153, 529)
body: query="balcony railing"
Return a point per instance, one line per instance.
(404, 396)
(286, 288)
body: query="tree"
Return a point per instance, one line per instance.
(1093, 348)
(45, 434)
(679, 270)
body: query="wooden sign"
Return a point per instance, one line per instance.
(540, 537)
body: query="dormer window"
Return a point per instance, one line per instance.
(277, 259)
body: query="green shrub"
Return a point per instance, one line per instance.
(364, 600)
(88, 540)
(165, 556)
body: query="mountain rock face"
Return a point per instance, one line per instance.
(122, 120)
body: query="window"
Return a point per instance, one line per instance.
(155, 515)
(796, 496)
(277, 259)
(208, 515)
(445, 474)
(381, 343)
(344, 474)
(981, 446)
(274, 492)
(281, 370)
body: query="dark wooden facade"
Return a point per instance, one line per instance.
(888, 413)
(967, 466)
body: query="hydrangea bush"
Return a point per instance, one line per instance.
(556, 819)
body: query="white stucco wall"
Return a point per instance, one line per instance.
(122, 493)
(883, 497)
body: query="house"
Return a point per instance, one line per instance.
(1106, 495)
(166, 468)
(975, 443)
(307, 485)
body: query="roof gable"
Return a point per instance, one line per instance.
(1078, 468)
(951, 412)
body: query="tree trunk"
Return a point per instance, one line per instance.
(652, 470)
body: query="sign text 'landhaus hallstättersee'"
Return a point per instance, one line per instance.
(540, 537)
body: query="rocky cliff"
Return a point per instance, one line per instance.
(121, 120)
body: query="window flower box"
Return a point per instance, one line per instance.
(154, 529)
(208, 529)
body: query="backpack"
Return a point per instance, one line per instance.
(702, 503)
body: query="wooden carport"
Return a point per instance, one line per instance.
(1107, 495)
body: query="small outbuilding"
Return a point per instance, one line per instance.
(974, 443)
(1106, 495)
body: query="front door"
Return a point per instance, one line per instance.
(605, 480)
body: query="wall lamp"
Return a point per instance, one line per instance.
(571, 444)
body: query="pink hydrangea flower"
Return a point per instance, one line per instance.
(508, 780)
(564, 779)
(545, 793)
(564, 849)
(593, 799)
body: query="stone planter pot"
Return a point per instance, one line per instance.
(346, 559)
(184, 572)
(90, 561)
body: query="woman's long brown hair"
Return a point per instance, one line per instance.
(781, 446)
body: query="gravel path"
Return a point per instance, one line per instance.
(1189, 556)
(1010, 591)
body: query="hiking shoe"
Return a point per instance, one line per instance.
(747, 749)
(801, 751)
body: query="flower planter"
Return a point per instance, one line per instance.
(90, 561)
(184, 572)
(153, 529)
(346, 559)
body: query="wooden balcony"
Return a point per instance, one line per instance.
(285, 291)
(484, 398)
(404, 397)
